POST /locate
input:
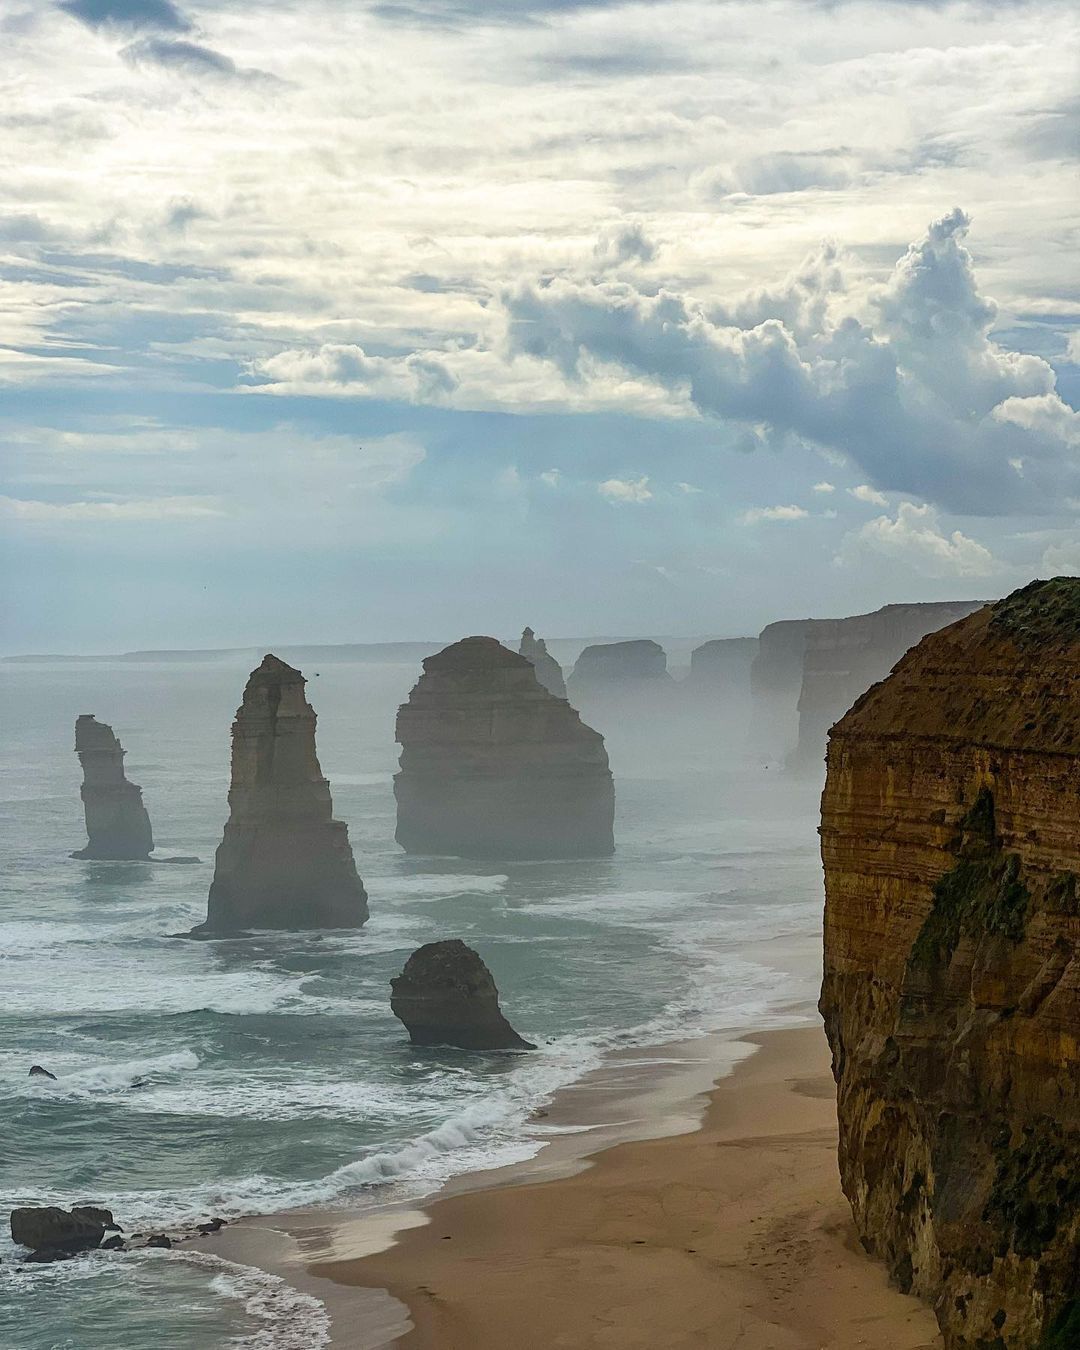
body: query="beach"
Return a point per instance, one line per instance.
(731, 1234)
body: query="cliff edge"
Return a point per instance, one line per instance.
(951, 844)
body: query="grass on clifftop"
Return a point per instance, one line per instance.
(1043, 611)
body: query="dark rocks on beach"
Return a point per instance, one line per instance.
(36, 1071)
(446, 996)
(158, 1240)
(639, 666)
(211, 1226)
(284, 862)
(548, 670)
(117, 825)
(494, 766)
(49, 1228)
(97, 1214)
(114, 1244)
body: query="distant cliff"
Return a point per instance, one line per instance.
(951, 997)
(611, 667)
(722, 666)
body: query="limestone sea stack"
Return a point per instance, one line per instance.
(548, 670)
(722, 666)
(494, 766)
(117, 824)
(606, 667)
(446, 996)
(284, 862)
(951, 842)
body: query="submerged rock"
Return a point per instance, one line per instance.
(640, 665)
(446, 996)
(548, 670)
(47, 1228)
(36, 1071)
(117, 824)
(284, 862)
(951, 997)
(494, 766)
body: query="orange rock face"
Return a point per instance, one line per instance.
(951, 843)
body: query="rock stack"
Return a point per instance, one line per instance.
(548, 670)
(284, 862)
(117, 825)
(619, 667)
(494, 766)
(951, 843)
(446, 996)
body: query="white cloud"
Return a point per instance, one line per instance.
(1043, 414)
(758, 513)
(1062, 559)
(551, 477)
(915, 539)
(865, 493)
(625, 489)
(688, 488)
(154, 508)
(824, 487)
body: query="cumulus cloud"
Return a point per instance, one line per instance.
(914, 538)
(160, 16)
(416, 378)
(918, 395)
(626, 490)
(625, 243)
(865, 493)
(757, 513)
(1062, 559)
(824, 487)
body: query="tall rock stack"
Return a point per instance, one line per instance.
(548, 670)
(117, 824)
(283, 862)
(951, 843)
(494, 766)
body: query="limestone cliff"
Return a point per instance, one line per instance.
(619, 666)
(548, 670)
(117, 823)
(951, 997)
(283, 862)
(722, 666)
(492, 765)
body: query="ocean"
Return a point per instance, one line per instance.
(251, 1075)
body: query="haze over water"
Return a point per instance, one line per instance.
(257, 1074)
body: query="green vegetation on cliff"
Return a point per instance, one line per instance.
(1041, 612)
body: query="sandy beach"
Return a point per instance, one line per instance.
(733, 1236)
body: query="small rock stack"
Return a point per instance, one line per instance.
(117, 824)
(446, 996)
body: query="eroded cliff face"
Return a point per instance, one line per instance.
(548, 670)
(494, 766)
(117, 823)
(283, 862)
(951, 996)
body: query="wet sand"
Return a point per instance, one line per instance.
(733, 1236)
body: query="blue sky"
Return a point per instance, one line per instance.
(333, 321)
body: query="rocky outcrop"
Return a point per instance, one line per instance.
(951, 997)
(50, 1229)
(619, 667)
(284, 862)
(548, 670)
(117, 825)
(722, 666)
(842, 658)
(494, 766)
(36, 1071)
(446, 996)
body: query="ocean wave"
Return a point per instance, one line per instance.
(286, 1318)
(105, 1078)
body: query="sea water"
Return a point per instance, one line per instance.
(256, 1074)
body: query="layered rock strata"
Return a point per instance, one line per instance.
(446, 996)
(619, 666)
(117, 823)
(548, 670)
(494, 766)
(283, 862)
(951, 997)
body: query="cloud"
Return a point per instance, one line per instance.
(416, 378)
(912, 395)
(1062, 559)
(189, 58)
(153, 508)
(625, 490)
(160, 16)
(865, 493)
(824, 487)
(915, 539)
(625, 243)
(757, 513)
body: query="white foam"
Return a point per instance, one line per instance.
(287, 1319)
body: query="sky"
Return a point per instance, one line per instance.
(348, 321)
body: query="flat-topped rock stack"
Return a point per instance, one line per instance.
(284, 861)
(495, 766)
(548, 670)
(950, 834)
(619, 667)
(117, 823)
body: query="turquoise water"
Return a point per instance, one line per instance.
(199, 1078)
